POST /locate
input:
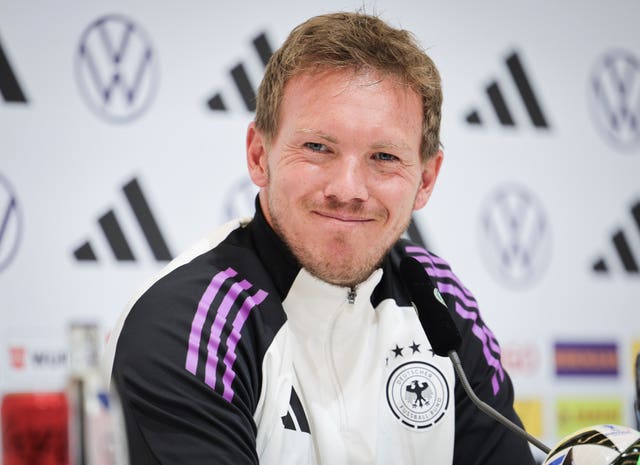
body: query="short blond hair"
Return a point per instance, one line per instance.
(358, 41)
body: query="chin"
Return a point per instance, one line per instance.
(346, 270)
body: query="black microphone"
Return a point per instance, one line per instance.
(444, 337)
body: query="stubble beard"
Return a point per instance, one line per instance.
(339, 268)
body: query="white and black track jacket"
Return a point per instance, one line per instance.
(237, 355)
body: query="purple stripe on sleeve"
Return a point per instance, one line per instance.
(446, 288)
(216, 330)
(438, 260)
(484, 334)
(415, 249)
(230, 357)
(439, 273)
(487, 339)
(213, 288)
(446, 274)
(429, 261)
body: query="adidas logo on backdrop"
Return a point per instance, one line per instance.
(241, 78)
(626, 247)
(115, 236)
(9, 85)
(502, 107)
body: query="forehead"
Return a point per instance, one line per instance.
(333, 82)
(348, 97)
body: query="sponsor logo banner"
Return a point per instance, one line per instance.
(521, 358)
(635, 352)
(586, 359)
(573, 414)
(32, 359)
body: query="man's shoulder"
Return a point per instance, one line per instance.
(436, 267)
(200, 276)
(408, 247)
(227, 246)
(455, 293)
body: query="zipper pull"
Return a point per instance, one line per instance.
(351, 295)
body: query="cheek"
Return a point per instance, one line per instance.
(398, 196)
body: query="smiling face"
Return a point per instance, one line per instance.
(342, 175)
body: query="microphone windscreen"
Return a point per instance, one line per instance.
(433, 313)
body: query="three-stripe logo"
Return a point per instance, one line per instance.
(241, 78)
(623, 247)
(9, 85)
(496, 96)
(111, 227)
(233, 305)
(295, 419)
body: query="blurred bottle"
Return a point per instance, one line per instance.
(34, 428)
(34, 412)
(96, 424)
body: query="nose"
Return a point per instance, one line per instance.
(347, 180)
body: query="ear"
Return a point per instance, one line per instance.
(430, 170)
(257, 156)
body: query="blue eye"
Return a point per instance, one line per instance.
(316, 147)
(385, 156)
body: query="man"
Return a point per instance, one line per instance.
(290, 339)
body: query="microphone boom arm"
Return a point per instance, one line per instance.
(486, 408)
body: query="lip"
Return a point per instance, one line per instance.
(342, 217)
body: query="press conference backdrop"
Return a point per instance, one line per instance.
(122, 130)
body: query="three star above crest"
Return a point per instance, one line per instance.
(397, 351)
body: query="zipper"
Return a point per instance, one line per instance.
(351, 295)
(334, 377)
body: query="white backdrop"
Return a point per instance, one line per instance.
(534, 208)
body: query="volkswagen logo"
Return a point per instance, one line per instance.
(116, 68)
(10, 224)
(614, 98)
(515, 236)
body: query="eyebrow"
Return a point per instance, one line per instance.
(320, 134)
(391, 145)
(377, 146)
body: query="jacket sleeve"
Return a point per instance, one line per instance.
(479, 439)
(179, 408)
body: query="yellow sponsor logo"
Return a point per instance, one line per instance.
(635, 350)
(530, 412)
(574, 414)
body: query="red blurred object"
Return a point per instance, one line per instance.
(17, 357)
(34, 429)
